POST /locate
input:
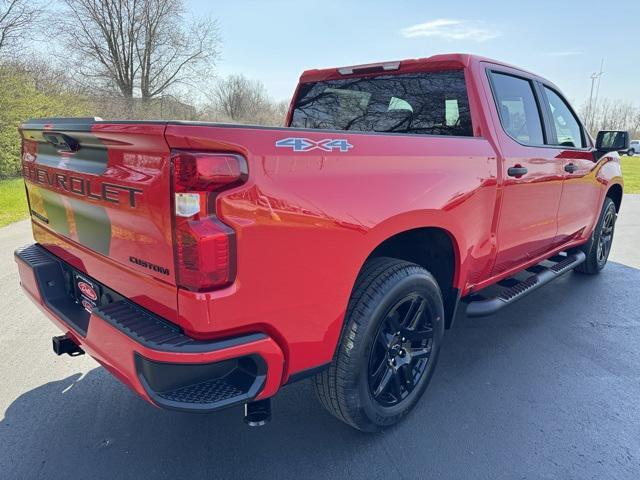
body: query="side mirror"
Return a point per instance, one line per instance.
(612, 141)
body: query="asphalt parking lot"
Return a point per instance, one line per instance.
(549, 388)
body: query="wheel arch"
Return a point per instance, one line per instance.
(434, 248)
(615, 193)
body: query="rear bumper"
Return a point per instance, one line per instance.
(150, 355)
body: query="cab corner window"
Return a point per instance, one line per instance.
(567, 127)
(518, 109)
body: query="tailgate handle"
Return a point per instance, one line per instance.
(62, 141)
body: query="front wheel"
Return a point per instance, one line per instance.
(598, 247)
(390, 344)
(631, 152)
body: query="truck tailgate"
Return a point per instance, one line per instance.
(99, 197)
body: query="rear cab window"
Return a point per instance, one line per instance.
(428, 103)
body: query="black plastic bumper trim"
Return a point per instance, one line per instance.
(202, 387)
(309, 372)
(158, 334)
(53, 286)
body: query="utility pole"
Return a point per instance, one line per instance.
(592, 104)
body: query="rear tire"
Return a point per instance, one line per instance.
(389, 347)
(631, 152)
(598, 247)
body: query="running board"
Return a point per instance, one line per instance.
(482, 308)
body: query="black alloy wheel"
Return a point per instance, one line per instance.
(605, 238)
(598, 248)
(401, 350)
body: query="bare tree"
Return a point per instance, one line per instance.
(635, 125)
(239, 98)
(46, 77)
(138, 47)
(609, 114)
(169, 55)
(18, 20)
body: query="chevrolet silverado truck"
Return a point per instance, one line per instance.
(208, 265)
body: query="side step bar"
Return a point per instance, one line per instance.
(482, 308)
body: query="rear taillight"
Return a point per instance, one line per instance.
(204, 247)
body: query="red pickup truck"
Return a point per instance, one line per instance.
(209, 265)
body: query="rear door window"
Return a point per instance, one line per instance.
(433, 103)
(567, 127)
(518, 109)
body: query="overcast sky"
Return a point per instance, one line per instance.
(562, 40)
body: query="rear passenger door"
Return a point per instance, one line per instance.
(531, 176)
(572, 148)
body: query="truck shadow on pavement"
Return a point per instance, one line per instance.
(548, 386)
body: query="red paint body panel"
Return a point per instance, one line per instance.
(305, 222)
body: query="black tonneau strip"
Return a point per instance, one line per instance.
(76, 124)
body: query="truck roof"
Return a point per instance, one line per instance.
(435, 62)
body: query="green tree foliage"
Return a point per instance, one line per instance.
(20, 100)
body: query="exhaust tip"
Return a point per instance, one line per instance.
(257, 414)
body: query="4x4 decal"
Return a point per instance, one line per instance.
(298, 144)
